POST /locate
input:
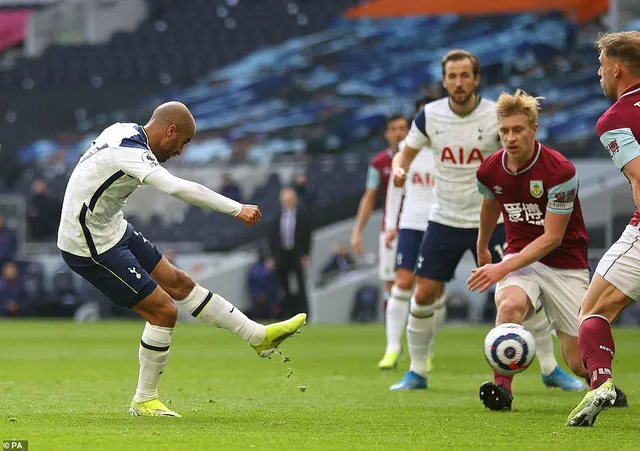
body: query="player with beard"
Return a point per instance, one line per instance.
(461, 129)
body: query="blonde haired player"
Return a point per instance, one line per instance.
(535, 189)
(616, 283)
(461, 131)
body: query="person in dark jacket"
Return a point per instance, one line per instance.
(290, 242)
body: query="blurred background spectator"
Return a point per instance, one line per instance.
(230, 189)
(14, 300)
(262, 284)
(43, 212)
(306, 193)
(341, 261)
(8, 246)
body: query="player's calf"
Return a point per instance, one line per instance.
(571, 354)
(404, 279)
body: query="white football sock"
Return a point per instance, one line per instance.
(396, 317)
(420, 333)
(153, 355)
(539, 327)
(216, 310)
(439, 315)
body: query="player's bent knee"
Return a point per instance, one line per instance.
(511, 310)
(404, 279)
(170, 312)
(427, 290)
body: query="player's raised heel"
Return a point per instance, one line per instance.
(621, 399)
(278, 332)
(495, 397)
(559, 378)
(151, 408)
(389, 361)
(593, 403)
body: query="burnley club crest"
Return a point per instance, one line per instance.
(536, 188)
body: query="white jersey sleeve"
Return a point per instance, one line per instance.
(136, 161)
(193, 193)
(418, 137)
(419, 192)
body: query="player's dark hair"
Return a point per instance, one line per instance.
(394, 117)
(623, 46)
(459, 55)
(422, 101)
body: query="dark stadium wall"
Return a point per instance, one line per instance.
(45, 112)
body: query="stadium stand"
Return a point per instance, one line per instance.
(322, 99)
(313, 91)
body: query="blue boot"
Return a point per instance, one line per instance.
(559, 378)
(410, 381)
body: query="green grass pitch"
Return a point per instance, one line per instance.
(66, 386)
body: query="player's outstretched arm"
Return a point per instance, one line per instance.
(366, 206)
(561, 198)
(559, 209)
(201, 196)
(489, 215)
(400, 164)
(555, 225)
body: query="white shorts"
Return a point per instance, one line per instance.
(560, 291)
(620, 265)
(387, 260)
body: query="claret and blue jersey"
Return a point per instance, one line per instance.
(619, 131)
(547, 182)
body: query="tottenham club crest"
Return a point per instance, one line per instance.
(536, 188)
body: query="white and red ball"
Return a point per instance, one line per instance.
(509, 348)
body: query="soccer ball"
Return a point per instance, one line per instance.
(509, 348)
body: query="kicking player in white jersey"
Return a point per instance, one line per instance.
(415, 200)
(97, 243)
(462, 131)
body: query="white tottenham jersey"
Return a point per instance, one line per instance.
(419, 195)
(460, 145)
(114, 166)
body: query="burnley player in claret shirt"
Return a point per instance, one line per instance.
(616, 282)
(536, 189)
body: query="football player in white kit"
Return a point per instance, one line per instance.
(415, 200)
(98, 244)
(461, 129)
